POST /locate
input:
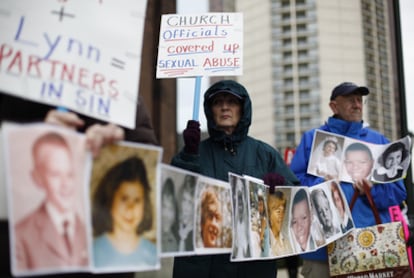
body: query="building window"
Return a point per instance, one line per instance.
(304, 108)
(303, 80)
(304, 94)
(290, 123)
(289, 94)
(305, 122)
(302, 40)
(289, 109)
(286, 29)
(302, 53)
(303, 66)
(300, 14)
(288, 81)
(285, 16)
(279, 137)
(290, 137)
(287, 42)
(288, 68)
(287, 55)
(301, 27)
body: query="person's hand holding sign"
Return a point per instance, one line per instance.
(97, 135)
(192, 137)
(64, 118)
(273, 180)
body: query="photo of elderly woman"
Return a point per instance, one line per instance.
(213, 220)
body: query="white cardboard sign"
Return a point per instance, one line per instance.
(209, 44)
(81, 55)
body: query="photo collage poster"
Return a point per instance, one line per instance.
(347, 159)
(185, 213)
(196, 214)
(286, 222)
(77, 208)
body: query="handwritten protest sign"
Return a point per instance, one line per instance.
(207, 44)
(82, 55)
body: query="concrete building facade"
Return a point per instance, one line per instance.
(296, 51)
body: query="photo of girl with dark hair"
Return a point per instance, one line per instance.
(391, 163)
(121, 213)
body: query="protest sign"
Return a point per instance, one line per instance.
(49, 169)
(207, 44)
(89, 64)
(285, 222)
(196, 214)
(349, 159)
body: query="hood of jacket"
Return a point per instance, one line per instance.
(242, 127)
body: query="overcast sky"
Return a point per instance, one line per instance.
(407, 23)
(186, 85)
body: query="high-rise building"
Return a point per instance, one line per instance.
(296, 51)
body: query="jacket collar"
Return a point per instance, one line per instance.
(351, 129)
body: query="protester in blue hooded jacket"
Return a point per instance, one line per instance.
(228, 110)
(346, 102)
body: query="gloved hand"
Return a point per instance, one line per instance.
(191, 136)
(272, 180)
